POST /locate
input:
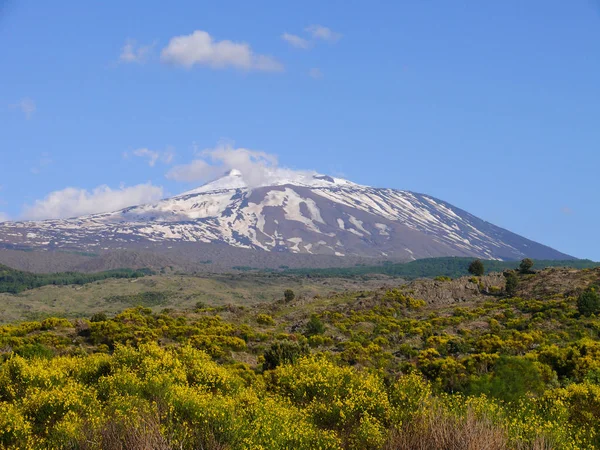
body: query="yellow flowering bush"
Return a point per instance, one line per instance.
(335, 397)
(15, 429)
(378, 370)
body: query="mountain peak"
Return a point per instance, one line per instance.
(265, 177)
(233, 173)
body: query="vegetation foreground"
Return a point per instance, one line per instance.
(360, 370)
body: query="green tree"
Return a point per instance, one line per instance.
(289, 295)
(476, 268)
(526, 265)
(588, 302)
(512, 282)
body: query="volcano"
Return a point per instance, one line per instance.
(287, 211)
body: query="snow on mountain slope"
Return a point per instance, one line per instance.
(289, 212)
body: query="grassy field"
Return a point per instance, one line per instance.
(169, 291)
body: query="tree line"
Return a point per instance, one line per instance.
(14, 281)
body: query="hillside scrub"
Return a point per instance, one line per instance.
(379, 370)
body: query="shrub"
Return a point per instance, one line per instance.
(494, 290)
(54, 322)
(200, 305)
(98, 317)
(35, 350)
(318, 340)
(265, 319)
(408, 394)
(289, 295)
(15, 430)
(583, 402)
(442, 278)
(403, 300)
(588, 302)
(315, 326)
(335, 397)
(512, 379)
(476, 268)
(284, 352)
(526, 265)
(512, 282)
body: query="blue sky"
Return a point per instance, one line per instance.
(492, 106)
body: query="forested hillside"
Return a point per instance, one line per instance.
(432, 267)
(15, 281)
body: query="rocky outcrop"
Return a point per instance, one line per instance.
(561, 281)
(460, 290)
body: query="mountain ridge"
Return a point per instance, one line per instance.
(285, 211)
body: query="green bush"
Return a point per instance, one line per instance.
(98, 317)
(35, 350)
(512, 282)
(588, 302)
(526, 265)
(512, 379)
(476, 268)
(284, 352)
(289, 295)
(314, 326)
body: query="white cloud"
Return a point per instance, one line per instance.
(200, 48)
(72, 202)
(132, 53)
(295, 41)
(256, 167)
(323, 33)
(153, 156)
(4, 217)
(26, 106)
(315, 72)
